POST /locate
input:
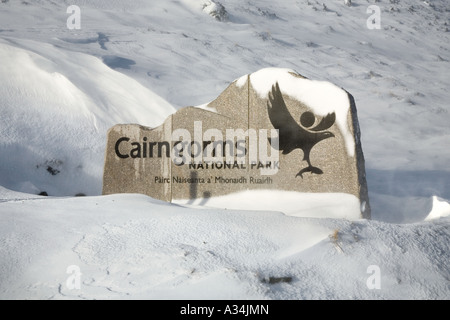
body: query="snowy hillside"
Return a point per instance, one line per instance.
(62, 88)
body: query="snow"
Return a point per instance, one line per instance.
(54, 115)
(138, 62)
(318, 205)
(440, 209)
(163, 251)
(309, 92)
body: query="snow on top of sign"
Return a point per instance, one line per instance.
(321, 96)
(440, 209)
(207, 107)
(242, 81)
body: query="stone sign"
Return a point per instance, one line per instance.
(270, 130)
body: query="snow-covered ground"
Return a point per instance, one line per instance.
(139, 61)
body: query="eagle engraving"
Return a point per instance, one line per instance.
(293, 135)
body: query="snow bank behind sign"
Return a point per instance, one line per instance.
(56, 107)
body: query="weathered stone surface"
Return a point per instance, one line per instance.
(273, 130)
(210, 174)
(126, 171)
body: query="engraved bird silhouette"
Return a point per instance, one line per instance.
(293, 135)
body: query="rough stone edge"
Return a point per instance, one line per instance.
(360, 161)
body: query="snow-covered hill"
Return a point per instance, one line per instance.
(139, 61)
(56, 108)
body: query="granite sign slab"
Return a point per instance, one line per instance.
(270, 130)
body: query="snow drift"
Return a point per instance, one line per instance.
(56, 107)
(60, 90)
